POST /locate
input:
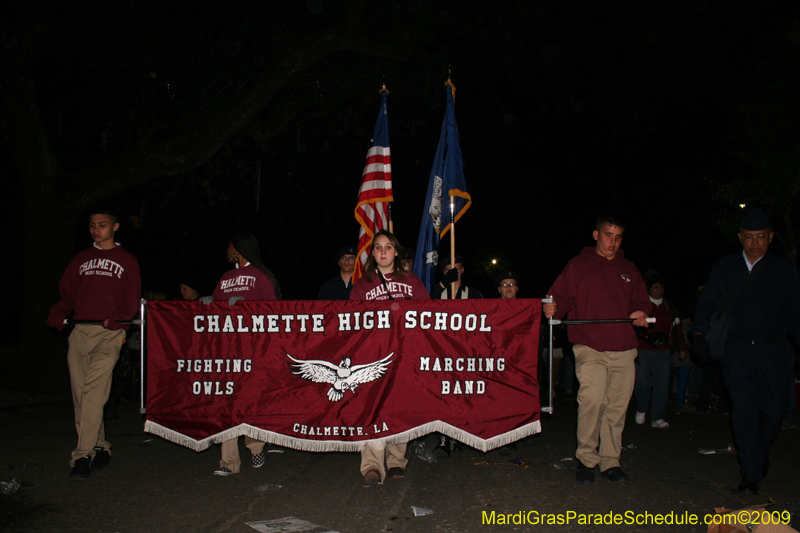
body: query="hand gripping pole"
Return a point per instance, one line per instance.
(555, 322)
(72, 321)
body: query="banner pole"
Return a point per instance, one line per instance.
(391, 222)
(452, 243)
(650, 320)
(549, 408)
(142, 308)
(72, 321)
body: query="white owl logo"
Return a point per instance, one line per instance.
(343, 377)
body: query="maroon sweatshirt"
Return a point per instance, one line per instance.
(593, 287)
(99, 284)
(410, 287)
(667, 321)
(248, 282)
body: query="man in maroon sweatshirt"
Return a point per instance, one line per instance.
(101, 283)
(601, 284)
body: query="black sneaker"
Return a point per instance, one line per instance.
(101, 458)
(614, 474)
(584, 473)
(748, 486)
(257, 459)
(82, 468)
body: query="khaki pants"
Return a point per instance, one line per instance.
(606, 384)
(230, 452)
(93, 352)
(394, 455)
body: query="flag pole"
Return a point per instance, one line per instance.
(383, 91)
(452, 207)
(452, 242)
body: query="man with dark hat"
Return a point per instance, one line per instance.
(507, 283)
(338, 287)
(757, 355)
(408, 262)
(452, 281)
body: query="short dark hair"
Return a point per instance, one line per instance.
(104, 210)
(246, 245)
(651, 277)
(609, 220)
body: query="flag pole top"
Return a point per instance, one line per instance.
(449, 83)
(383, 90)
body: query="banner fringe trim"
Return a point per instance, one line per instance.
(307, 445)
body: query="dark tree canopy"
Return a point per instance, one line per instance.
(565, 108)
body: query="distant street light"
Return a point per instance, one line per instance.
(742, 205)
(494, 261)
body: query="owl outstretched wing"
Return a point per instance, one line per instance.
(315, 370)
(369, 372)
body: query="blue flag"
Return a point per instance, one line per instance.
(447, 179)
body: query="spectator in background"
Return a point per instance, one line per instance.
(654, 364)
(507, 283)
(683, 366)
(408, 262)
(452, 280)
(338, 287)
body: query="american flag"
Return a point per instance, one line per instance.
(372, 210)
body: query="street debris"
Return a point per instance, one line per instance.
(25, 466)
(9, 487)
(511, 462)
(729, 449)
(421, 511)
(272, 486)
(754, 518)
(423, 452)
(289, 524)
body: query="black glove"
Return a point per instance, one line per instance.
(450, 277)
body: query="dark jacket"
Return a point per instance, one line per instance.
(765, 313)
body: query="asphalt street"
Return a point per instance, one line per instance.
(154, 485)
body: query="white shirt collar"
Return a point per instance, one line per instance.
(237, 264)
(657, 302)
(95, 245)
(747, 261)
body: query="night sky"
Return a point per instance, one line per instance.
(565, 110)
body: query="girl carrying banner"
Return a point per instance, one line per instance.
(386, 279)
(250, 280)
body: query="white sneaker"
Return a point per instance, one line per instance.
(660, 424)
(639, 418)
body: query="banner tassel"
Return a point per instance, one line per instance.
(344, 446)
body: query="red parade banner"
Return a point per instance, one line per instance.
(330, 375)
